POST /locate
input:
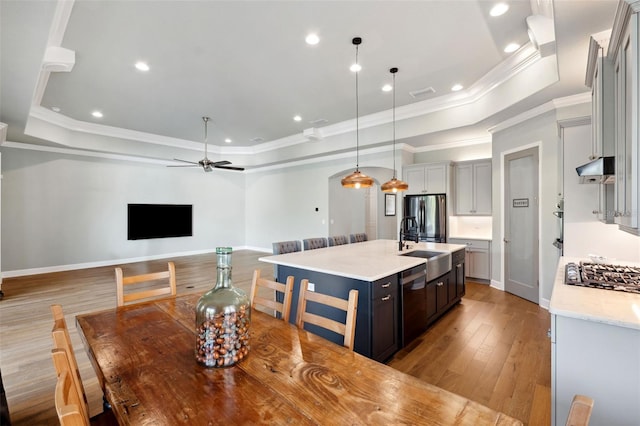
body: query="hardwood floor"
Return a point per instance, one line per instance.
(491, 348)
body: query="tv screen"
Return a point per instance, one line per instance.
(146, 221)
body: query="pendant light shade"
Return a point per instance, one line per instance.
(357, 179)
(394, 185)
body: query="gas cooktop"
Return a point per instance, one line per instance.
(608, 277)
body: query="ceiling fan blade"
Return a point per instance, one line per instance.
(220, 163)
(229, 167)
(186, 165)
(184, 161)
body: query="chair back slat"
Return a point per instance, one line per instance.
(284, 307)
(133, 296)
(350, 306)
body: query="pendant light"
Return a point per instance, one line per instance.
(394, 185)
(357, 179)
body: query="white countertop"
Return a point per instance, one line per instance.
(367, 261)
(594, 304)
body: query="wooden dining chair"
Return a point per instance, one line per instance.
(580, 411)
(146, 292)
(284, 307)
(62, 342)
(70, 407)
(350, 306)
(64, 359)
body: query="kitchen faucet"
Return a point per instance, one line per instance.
(408, 220)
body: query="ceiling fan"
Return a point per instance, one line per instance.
(206, 164)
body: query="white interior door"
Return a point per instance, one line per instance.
(521, 224)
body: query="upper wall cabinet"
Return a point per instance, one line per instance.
(430, 178)
(623, 51)
(600, 77)
(472, 187)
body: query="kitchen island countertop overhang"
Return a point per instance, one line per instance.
(366, 261)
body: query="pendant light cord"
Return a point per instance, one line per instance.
(394, 125)
(357, 115)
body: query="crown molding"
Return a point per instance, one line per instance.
(598, 44)
(454, 144)
(620, 22)
(86, 153)
(634, 4)
(552, 105)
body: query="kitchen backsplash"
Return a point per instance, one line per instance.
(479, 227)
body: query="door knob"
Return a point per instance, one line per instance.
(505, 240)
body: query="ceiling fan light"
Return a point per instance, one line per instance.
(395, 185)
(357, 180)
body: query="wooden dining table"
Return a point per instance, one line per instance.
(144, 357)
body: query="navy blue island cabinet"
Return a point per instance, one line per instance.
(378, 321)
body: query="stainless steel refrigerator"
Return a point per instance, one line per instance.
(430, 213)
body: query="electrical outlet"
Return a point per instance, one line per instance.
(311, 287)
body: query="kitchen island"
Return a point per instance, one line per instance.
(595, 350)
(398, 296)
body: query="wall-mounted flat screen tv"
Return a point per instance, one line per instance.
(146, 221)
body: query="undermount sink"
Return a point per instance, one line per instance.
(438, 263)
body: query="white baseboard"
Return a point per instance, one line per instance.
(544, 303)
(60, 268)
(497, 285)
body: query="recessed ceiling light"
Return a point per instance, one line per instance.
(499, 9)
(387, 88)
(355, 67)
(312, 39)
(511, 47)
(456, 87)
(97, 114)
(297, 118)
(227, 140)
(142, 66)
(55, 109)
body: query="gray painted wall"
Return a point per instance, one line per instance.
(541, 130)
(67, 210)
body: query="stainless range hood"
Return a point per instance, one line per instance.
(600, 170)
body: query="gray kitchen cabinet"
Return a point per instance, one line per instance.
(477, 257)
(600, 77)
(624, 51)
(430, 178)
(446, 290)
(457, 275)
(596, 359)
(472, 187)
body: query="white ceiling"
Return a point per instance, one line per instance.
(246, 65)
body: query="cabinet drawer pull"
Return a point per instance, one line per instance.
(440, 284)
(387, 297)
(387, 285)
